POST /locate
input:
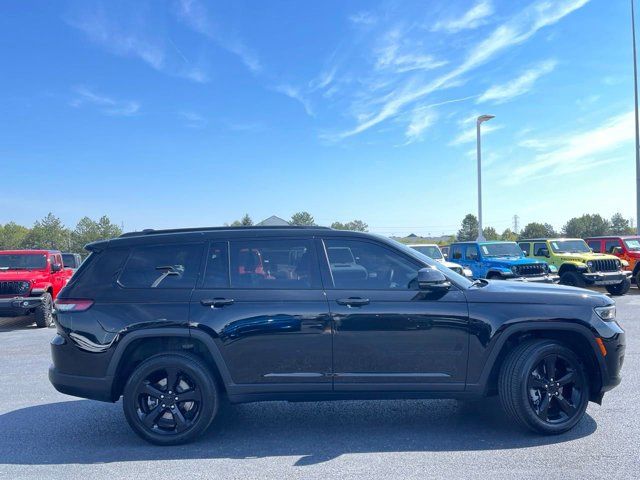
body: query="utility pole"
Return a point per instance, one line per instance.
(516, 224)
(481, 119)
(635, 94)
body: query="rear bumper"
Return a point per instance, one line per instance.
(606, 278)
(94, 388)
(17, 306)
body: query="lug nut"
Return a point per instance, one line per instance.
(176, 399)
(164, 406)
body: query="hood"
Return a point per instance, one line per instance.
(21, 275)
(506, 291)
(584, 257)
(510, 261)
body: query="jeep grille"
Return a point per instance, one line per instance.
(531, 270)
(14, 288)
(604, 265)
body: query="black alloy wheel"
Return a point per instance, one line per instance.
(170, 399)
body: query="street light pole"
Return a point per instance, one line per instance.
(480, 120)
(635, 93)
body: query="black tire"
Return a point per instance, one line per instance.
(637, 277)
(572, 279)
(494, 276)
(530, 397)
(150, 405)
(44, 312)
(619, 288)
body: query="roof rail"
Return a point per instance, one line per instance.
(151, 231)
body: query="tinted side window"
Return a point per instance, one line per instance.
(472, 252)
(538, 249)
(357, 264)
(594, 245)
(456, 252)
(162, 266)
(525, 247)
(216, 274)
(274, 263)
(609, 245)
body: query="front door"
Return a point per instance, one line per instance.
(261, 300)
(388, 334)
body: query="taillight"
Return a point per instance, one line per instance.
(73, 304)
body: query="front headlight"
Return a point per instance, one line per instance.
(608, 313)
(624, 263)
(553, 269)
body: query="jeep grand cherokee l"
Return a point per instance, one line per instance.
(173, 321)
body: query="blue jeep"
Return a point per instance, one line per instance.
(501, 260)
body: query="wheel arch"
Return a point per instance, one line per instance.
(577, 337)
(137, 346)
(567, 267)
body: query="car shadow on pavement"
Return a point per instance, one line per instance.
(86, 432)
(8, 324)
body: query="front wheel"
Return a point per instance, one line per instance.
(572, 279)
(170, 399)
(44, 311)
(619, 288)
(543, 386)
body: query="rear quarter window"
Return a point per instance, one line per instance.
(162, 266)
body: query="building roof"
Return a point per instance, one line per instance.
(273, 221)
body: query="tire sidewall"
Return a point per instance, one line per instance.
(621, 288)
(574, 279)
(191, 365)
(44, 311)
(525, 409)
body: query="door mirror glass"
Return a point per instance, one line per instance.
(432, 279)
(56, 267)
(526, 254)
(617, 250)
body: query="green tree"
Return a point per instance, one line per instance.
(537, 230)
(586, 226)
(302, 219)
(88, 230)
(354, 225)
(245, 221)
(508, 236)
(490, 233)
(12, 236)
(620, 225)
(48, 233)
(469, 228)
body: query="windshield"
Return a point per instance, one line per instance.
(22, 261)
(570, 246)
(510, 249)
(632, 244)
(457, 278)
(431, 251)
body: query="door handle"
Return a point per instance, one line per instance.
(353, 301)
(217, 302)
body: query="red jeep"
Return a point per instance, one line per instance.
(624, 247)
(29, 282)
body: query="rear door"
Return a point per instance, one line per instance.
(388, 334)
(262, 301)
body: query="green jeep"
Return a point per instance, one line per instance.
(577, 265)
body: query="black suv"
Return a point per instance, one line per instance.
(176, 320)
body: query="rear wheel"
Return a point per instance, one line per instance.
(170, 399)
(572, 279)
(637, 277)
(620, 288)
(44, 311)
(543, 387)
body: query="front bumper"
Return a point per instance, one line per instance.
(606, 278)
(538, 279)
(17, 306)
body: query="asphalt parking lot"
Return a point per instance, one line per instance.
(44, 434)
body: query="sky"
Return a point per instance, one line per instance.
(183, 113)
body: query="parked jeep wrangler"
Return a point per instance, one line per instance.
(577, 265)
(626, 248)
(501, 261)
(433, 251)
(71, 261)
(29, 282)
(173, 321)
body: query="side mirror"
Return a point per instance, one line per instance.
(526, 254)
(446, 256)
(545, 252)
(617, 250)
(433, 280)
(56, 267)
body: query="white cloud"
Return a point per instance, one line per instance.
(401, 56)
(518, 86)
(515, 31)
(421, 119)
(473, 18)
(578, 151)
(363, 18)
(296, 94)
(107, 105)
(194, 14)
(469, 134)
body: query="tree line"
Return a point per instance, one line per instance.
(51, 234)
(588, 225)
